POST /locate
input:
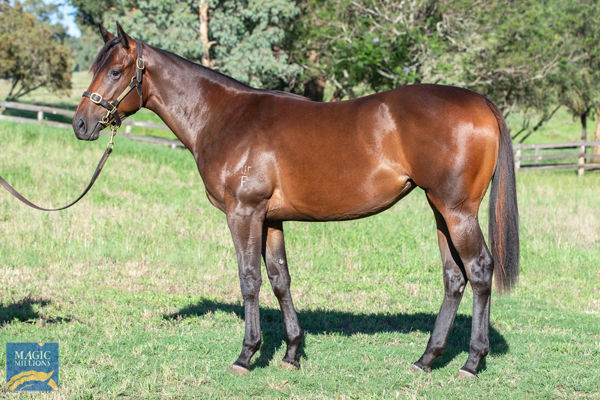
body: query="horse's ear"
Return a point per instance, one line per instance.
(123, 36)
(106, 35)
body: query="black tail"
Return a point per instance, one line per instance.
(504, 213)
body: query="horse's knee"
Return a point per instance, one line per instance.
(250, 285)
(454, 282)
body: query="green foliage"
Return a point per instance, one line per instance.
(85, 48)
(578, 78)
(91, 12)
(249, 36)
(47, 13)
(30, 56)
(171, 25)
(375, 43)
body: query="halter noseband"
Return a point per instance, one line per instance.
(112, 116)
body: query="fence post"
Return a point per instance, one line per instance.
(581, 162)
(127, 128)
(40, 115)
(517, 157)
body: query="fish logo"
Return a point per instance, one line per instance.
(31, 366)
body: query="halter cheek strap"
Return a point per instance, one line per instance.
(112, 116)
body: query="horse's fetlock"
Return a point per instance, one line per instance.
(480, 349)
(253, 345)
(295, 338)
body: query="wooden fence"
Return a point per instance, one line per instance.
(43, 111)
(551, 156)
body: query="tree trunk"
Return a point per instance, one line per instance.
(583, 118)
(203, 16)
(597, 135)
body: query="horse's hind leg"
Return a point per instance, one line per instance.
(466, 237)
(454, 285)
(277, 269)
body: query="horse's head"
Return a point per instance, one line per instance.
(116, 88)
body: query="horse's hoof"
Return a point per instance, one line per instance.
(238, 370)
(415, 369)
(462, 375)
(292, 366)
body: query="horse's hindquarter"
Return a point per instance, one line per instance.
(331, 161)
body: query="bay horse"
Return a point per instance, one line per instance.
(266, 157)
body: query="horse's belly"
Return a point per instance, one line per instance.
(339, 197)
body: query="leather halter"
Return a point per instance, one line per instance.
(112, 116)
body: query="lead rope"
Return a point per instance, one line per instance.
(109, 149)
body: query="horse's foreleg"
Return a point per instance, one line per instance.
(277, 269)
(454, 285)
(246, 226)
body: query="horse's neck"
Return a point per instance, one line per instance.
(190, 99)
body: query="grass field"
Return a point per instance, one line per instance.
(138, 283)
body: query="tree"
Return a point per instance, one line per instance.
(578, 79)
(30, 58)
(375, 44)
(91, 12)
(249, 40)
(244, 39)
(508, 51)
(85, 48)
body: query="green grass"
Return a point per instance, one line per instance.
(138, 283)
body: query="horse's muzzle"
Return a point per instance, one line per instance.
(80, 127)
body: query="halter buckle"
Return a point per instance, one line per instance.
(96, 98)
(139, 64)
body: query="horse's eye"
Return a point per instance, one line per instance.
(115, 74)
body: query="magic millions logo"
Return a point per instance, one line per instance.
(31, 366)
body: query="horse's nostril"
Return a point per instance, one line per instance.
(81, 125)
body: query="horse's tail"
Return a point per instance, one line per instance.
(503, 212)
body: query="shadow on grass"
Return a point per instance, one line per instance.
(23, 311)
(327, 321)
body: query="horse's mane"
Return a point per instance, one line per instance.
(103, 54)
